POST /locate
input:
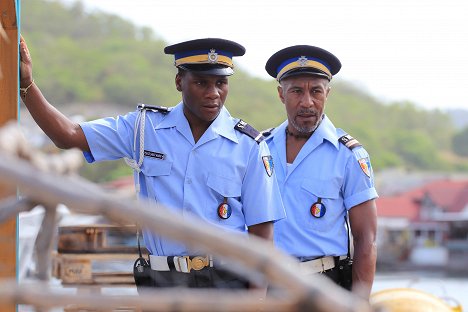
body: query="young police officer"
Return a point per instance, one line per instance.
(323, 173)
(195, 158)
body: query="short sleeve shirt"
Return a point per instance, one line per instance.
(324, 171)
(190, 178)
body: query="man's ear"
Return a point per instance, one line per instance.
(280, 93)
(327, 92)
(178, 82)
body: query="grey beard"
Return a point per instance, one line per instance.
(306, 130)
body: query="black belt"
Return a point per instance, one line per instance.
(183, 264)
(320, 265)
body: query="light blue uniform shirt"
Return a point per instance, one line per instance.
(192, 178)
(326, 169)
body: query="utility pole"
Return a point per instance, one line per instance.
(8, 111)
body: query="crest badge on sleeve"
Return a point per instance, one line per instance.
(365, 166)
(268, 163)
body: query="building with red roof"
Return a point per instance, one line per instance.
(430, 218)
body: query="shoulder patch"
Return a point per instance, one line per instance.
(349, 141)
(160, 109)
(247, 129)
(266, 133)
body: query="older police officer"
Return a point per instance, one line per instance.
(194, 158)
(323, 173)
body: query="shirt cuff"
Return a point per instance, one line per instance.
(89, 157)
(360, 197)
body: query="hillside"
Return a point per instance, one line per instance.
(91, 58)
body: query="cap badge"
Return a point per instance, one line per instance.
(212, 56)
(302, 61)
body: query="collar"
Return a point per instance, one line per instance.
(327, 131)
(223, 125)
(172, 119)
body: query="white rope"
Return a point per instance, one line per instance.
(140, 121)
(133, 163)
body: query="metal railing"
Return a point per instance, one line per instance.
(42, 179)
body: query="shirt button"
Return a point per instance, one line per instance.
(188, 181)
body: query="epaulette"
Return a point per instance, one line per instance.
(349, 141)
(160, 109)
(266, 133)
(245, 128)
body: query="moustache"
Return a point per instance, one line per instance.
(307, 112)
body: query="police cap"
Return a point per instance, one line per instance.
(211, 56)
(300, 60)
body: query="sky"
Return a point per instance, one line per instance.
(396, 50)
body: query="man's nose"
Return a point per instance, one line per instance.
(307, 100)
(212, 91)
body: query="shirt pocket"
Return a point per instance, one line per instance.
(329, 193)
(156, 167)
(225, 187)
(153, 170)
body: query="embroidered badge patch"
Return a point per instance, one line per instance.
(224, 211)
(268, 163)
(318, 210)
(365, 166)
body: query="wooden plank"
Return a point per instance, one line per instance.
(8, 111)
(8, 62)
(93, 269)
(98, 238)
(95, 289)
(81, 308)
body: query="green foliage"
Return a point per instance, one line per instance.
(105, 171)
(255, 100)
(95, 57)
(460, 143)
(417, 149)
(397, 135)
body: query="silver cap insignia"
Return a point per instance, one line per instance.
(212, 56)
(302, 61)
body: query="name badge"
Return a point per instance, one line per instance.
(154, 155)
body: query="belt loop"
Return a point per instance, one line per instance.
(177, 263)
(180, 264)
(336, 259)
(184, 264)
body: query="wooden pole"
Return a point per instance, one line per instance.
(8, 111)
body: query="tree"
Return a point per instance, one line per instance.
(460, 143)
